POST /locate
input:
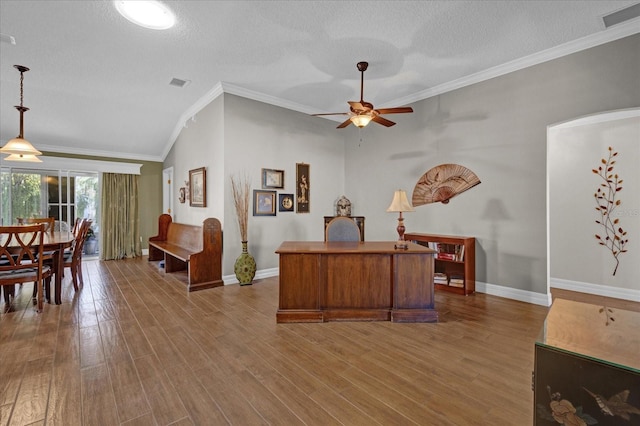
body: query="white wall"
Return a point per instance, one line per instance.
(575, 149)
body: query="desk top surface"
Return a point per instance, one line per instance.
(371, 247)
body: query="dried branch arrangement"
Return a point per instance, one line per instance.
(614, 237)
(241, 189)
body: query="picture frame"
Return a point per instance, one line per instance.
(264, 203)
(303, 187)
(198, 187)
(272, 178)
(182, 195)
(286, 202)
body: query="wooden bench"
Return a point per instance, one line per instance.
(196, 249)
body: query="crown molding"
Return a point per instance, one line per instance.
(614, 33)
(607, 35)
(98, 153)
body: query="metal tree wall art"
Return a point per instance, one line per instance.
(614, 237)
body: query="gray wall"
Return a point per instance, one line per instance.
(200, 144)
(238, 136)
(496, 128)
(575, 149)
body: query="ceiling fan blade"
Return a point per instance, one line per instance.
(344, 123)
(357, 106)
(383, 121)
(399, 110)
(331, 113)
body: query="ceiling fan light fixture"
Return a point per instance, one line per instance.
(146, 13)
(361, 120)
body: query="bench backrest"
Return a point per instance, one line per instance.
(187, 236)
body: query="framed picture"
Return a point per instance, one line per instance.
(264, 203)
(302, 187)
(285, 202)
(183, 195)
(198, 187)
(272, 178)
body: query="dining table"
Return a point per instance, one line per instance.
(55, 243)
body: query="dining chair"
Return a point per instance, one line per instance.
(73, 258)
(342, 228)
(22, 260)
(49, 222)
(76, 226)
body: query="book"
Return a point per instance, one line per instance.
(456, 281)
(440, 278)
(446, 256)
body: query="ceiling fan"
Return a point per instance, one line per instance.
(363, 112)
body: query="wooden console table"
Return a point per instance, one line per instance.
(366, 281)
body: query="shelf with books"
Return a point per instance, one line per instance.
(455, 263)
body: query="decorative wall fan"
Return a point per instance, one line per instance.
(361, 112)
(442, 183)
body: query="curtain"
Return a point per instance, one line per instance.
(120, 234)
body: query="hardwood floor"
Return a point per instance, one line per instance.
(132, 347)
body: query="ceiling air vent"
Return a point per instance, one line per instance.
(6, 38)
(178, 82)
(622, 15)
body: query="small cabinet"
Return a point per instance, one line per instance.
(359, 220)
(455, 261)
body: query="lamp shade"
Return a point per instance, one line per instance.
(361, 120)
(27, 158)
(19, 146)
(400, 202)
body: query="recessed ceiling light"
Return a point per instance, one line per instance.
(146, 13)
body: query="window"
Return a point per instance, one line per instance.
(48, 193)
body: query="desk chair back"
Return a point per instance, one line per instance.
(342, 228)
(21, 257)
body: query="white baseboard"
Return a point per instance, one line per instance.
(260, 274)
(514, 293)
(597, 289)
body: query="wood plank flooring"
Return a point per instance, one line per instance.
(132, 347)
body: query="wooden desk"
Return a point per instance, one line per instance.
(366, 281)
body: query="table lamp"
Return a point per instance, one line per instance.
(400, 204)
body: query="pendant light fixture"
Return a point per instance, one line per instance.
(20, 148)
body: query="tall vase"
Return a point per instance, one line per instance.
(245, 266)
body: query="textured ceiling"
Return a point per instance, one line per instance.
(100, 85)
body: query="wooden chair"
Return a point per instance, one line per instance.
(342, 228)
(22, 260)
(49, 222)
(73, 258)
(76, 226)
